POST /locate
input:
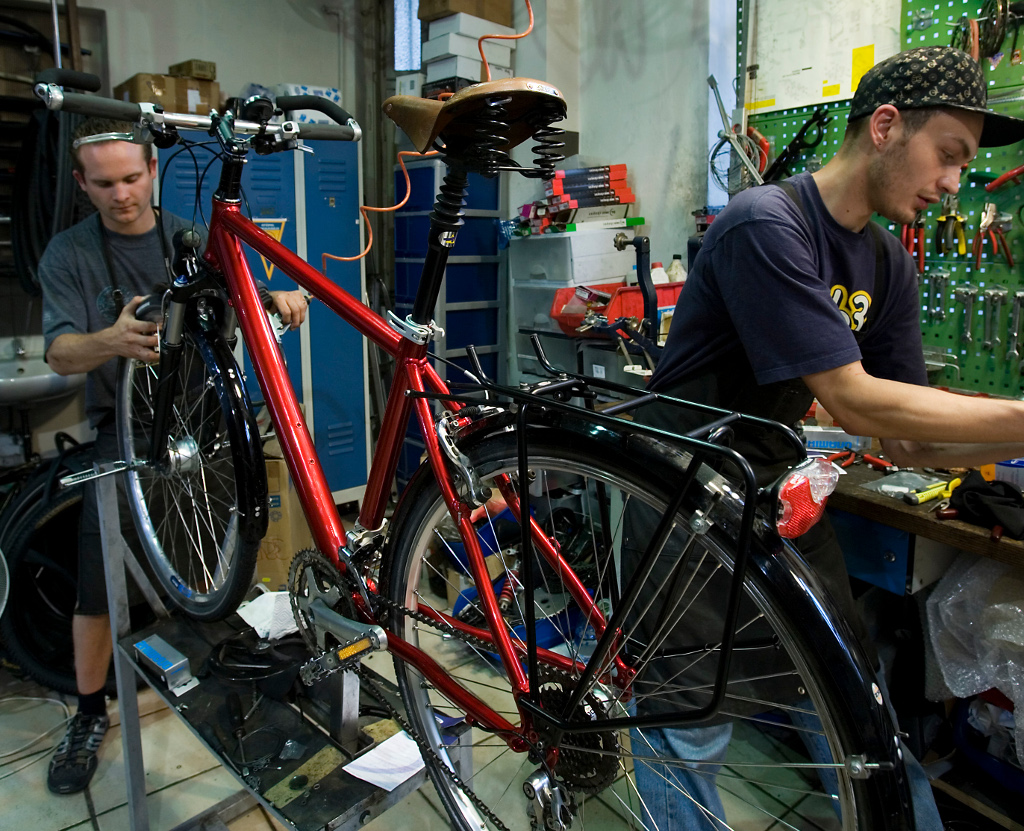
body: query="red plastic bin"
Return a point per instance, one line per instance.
(626, 301)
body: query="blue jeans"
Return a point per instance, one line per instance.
(686, 796)
(681, 796)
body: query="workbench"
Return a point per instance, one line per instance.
(917, 520)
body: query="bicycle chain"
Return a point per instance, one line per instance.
(426, 751)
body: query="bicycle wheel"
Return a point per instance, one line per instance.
(794, 665)
(201, 515)
(43, 565)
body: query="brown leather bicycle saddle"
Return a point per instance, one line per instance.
(456, 120)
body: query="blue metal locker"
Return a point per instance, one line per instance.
(312, 202)
(340, 405)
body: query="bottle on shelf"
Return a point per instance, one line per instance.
(676, 271)
(658, 274)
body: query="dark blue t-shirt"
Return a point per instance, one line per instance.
(783, 295)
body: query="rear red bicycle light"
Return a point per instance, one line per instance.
(800, 496)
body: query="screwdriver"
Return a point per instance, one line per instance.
(208, 734)
(237, 721)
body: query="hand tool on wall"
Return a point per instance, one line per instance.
(1013, 327)
(966, 295)
(803, 140)
(993, 229)
(937, 279)
(1014, 175)
(913, 240)
(951, 236)
(1001, 226)
(994, 299)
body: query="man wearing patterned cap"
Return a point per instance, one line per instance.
(796, 295)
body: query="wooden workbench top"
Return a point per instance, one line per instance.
(850, 496)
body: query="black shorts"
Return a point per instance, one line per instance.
(92, 586)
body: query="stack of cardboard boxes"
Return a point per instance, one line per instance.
(188, 87)
(451, 56)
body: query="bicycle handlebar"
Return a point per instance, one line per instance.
(70, 78)
(48, 88)
(315, 102)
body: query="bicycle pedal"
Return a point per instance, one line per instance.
(337, 658)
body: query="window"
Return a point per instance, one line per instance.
(407, 35)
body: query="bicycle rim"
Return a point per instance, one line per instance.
(194, 517)
(767, 772)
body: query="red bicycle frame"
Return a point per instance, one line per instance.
(414, 373)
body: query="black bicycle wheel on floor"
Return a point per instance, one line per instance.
(200, 517)
(42, 557)
(585, 489)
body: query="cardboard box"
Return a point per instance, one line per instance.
(472, 27)
(458, 67)
(180, 95)
(287, 530)
(206, 70)
(192, 95)
(496, 51)
(145, 87)
(458, 581)
(497, 11)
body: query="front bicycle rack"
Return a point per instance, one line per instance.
(705, 446)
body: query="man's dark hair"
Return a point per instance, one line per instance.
(913, 121)
(95, 126)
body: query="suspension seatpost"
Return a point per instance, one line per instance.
(445, 222)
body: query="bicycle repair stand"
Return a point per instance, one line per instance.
(333, 799)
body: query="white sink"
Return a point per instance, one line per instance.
(28, 380)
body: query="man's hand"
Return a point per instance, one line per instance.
(292, 306)
(72, 353)
(131, 338)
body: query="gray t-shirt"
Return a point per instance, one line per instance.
(78, 296)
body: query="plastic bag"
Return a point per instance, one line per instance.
(976, 626)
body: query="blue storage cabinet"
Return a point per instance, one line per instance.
(471, 308)
(311, 203)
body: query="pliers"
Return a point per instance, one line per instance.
(994, 232)
(844, 458)
(951, 227)
(913, 240)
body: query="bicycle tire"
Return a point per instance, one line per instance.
(201, 519)
(776, 584)
(36, 624)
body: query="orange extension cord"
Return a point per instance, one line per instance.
(365, 209)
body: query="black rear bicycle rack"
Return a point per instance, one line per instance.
(705, 446)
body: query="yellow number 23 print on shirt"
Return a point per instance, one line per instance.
(854, 306)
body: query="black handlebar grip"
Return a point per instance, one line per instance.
(69, 78)
(314, 102)
(330, 132)
(76, 102)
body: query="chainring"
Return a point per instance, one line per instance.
(312, 576)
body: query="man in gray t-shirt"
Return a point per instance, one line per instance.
(107, 261)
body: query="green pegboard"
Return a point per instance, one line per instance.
(953, 362)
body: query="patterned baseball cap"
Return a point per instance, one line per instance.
(934, 76)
